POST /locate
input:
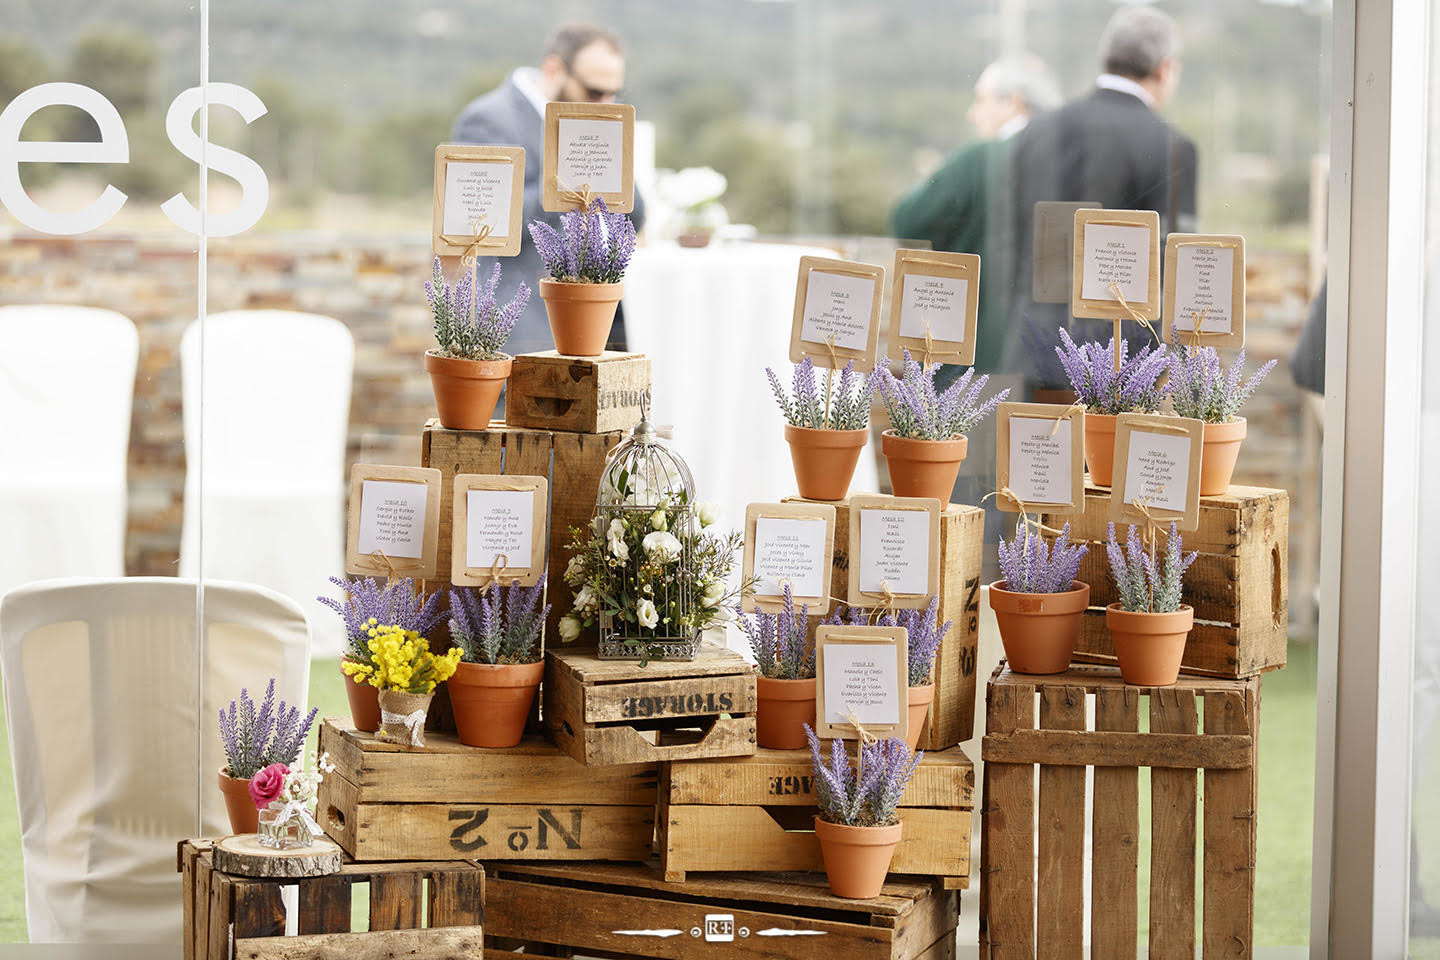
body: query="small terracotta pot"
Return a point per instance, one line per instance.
(857, 859)
(1149, 646)
(923, 468)
(364, 704)
(402, 705)
(780, 709)
(244, 815)
(824, 460)
(466, 391)
(1218, 455)
(492, 701)
(1039, 630)
(1100, 447)
(580, 315)
(919, 702)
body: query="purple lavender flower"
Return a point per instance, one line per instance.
(919, 412)
(1092, 374)
(478, 337)
(871, 799)
(591, 246)
(498, 624)
(253, 739)
(1030, 565)
(1143, 583)
(842, 406)
(778, 640)
(370, 601)
(1202, 390)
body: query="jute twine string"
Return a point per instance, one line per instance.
(502, 561)
(582, 198)
(392, 568)
(1152, 531)
(1024, 518)
(1077, 405)
(1134, 315)
(865, 737)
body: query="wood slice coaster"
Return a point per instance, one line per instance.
(246, 856)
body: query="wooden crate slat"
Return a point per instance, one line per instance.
(1115, 836)
(395, 901)
(1172, 836)
(221, 910)
(1224, 520)
(1088, 748)
(1060, 926)
(259, 911)
(946, 778)
(324, 906)
(427, 944)
(1228, 921)
(452, 452)
(200, 935)
(1010, 830)
(657, 699)
(457, 898)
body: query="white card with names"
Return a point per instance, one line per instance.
(392, 519)
(894, 550)
(1204, 286)
(1116, 254)
(838, 305)
(1158, 469)
(1041, 460)
(499, 522)
(477, 191)
(793, 549)
(937, 301)
(590, 152)
(861, 678)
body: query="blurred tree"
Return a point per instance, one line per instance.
(22, 66)
(395, 154)
(119, 63)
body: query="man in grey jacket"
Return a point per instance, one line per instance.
(583, 63)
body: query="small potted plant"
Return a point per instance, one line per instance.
(368, 603)
(785, 689)
(405, 673)
(1039, 604)
(858, 824)
(254, 739)
(1107, 393)
(926, 441)
(1202, 390)
(468, 367)
(499, 630)
(825, 431)
(1149, 624)
(284, 796)
(586, 259)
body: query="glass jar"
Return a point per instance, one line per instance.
(282, 828)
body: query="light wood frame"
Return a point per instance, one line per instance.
(1111, 309)
(874, 501)
(1072, 415)
(551, 189)
(829, 634)
(819, 604)
(1121, 510)
(818, 353)
(1053, 249)
(1235, 339)
(494, 245)
(366, 565)
(461, 573)
(935, 263)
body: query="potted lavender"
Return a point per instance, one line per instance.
(1108, 392)
(585, 258)
(825, 432)
(499, 630)
(858, 824)
(1149, 624)
(468, 367)
(1202, 390)
(254, 739)
(1039, 604)
(926, 441)
(785, 689)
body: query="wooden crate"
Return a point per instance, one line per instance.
(1238, 585)
(616, 711)
(447, 801)
(629, 911)
(755, 813)
(951, 720)
(549, 391)
(224, 913)
(1030, 909)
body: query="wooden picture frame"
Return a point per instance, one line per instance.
(1235, 338)
(861, 502)
(1053, 248)
(1108, 308)
(817, 351)
(1128, 424)
(461, 572)
(377, 562)
(497, 243)
(554, 195)
(772, 603)
(1074, 417)
(828, 636)
(945, 266)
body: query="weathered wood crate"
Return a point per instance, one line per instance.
(629, 911)
(615, 711)
(1036, 908)
(549, 391)
(424, 911)
(447, 801)
(962, 535)
(755, 813)
(1238, 585)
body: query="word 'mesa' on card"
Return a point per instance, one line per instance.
(861, 674)
(498, 529)
(894, 551)
(1054, 248)
(938, 294)
(1205, 281)
(479, 200)
(837, 313)
(1116, 249)
(588, 146)
(1157, 463)
(1040, 458)
(790, 543)
(394, 523)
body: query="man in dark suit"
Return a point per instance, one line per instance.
(583, 63)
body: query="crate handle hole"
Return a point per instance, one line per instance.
(552, 406)
(1277, 585)
(565, 725)
(337, 819)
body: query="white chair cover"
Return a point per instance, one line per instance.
(109, 750)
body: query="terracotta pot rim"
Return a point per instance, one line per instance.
(913, 448)
(1066, 601)
(468, 369)
(1154, 624)
(551, 289)
(1232, 429)
(815, 437)
(860, 836)
(1102, 418)
(497, 674)
(921, 693)
(225, 777)
(780, 689)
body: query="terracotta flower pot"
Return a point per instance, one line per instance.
(824, 460)
(492, 701)
(1149, 646)
(580, 315)
(781, 707)
(244, 817)
(466, 391)
(857, 859)
(923, 468)
(1218, 454)
(398, 720)
(919, 702)
(1039, 630)
(364, 704)
(1100, 447)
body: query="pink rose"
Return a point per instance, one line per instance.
(266, 785)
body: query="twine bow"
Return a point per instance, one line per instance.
(1024, 518)
(496, 567)
(1077, 405)
(1197, 319)
(298, 809)
(887, 603)
(863, 737)
(392, 572)
(1134, 315)
(582, 198)
(482, 231)
(414, 722)
(929, 348)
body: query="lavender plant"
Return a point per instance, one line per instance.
(1030, 565)
(1201, 389)
(1103, 389)
(591, 246)
(498, 624)
(922, 630)
(870, 799)
(778, 640)
(919, 412)
(371, 602)
(470, 326)
(255, 738)
(1145, 584)
(843, 406)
